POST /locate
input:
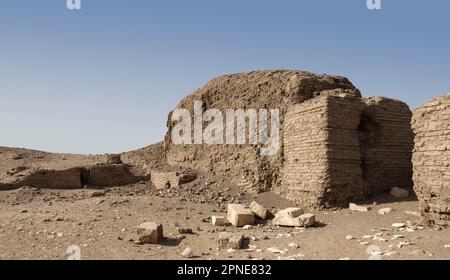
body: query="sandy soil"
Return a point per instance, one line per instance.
(42, 224)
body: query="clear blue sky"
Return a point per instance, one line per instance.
(104, 78)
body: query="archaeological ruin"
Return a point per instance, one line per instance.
(431, 159)
(336, 146)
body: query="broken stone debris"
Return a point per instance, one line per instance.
(293, 217)
(385, 211)
(355, 207)
(187, 253)
(150, 233)
(259, 211)
(218, 221)
(238, 215)
(230, 240)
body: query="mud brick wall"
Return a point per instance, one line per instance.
(431, 159)
(387, 141)
(341, 148)
(322, 154)
(346, 181)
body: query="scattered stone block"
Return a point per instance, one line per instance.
(259, 210)
(399, 192)
(240, 216)
(230, 240)
(385, 211)
(305, 220)
(150, 233)
(355, 207)
(290, 212)
(218, 221)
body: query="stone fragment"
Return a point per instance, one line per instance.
(398, 225)
(218, 221)
(230, 240)
(355, 207)
(305, 220)
(399, 192)
(385, 211)
(187, 253)
(240, 216)
(290, 212)
(150, 233)
(259, 211)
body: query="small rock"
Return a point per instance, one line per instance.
(150, 233)
(385, 211)
(349, 237)
(364, 243)
(447, 246)
(246, 227)
(230, 240)
(185, 231)
(187, 253)
(355, 207)
(399, 225)
(399, 192)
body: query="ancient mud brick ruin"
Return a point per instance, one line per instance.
(336, 146)
(341, 148)
(431, 159)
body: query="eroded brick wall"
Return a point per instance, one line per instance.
(341, 148)
(431, 159)
(387, 141)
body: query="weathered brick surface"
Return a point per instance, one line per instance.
(341, 148)
(431, 159)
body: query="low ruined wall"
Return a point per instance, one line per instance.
(431, 159)
(104, 175)
(64, 179)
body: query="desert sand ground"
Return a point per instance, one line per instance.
(41, 223)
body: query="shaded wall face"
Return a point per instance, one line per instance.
(431, 159)
(386, 140)
(342, 149)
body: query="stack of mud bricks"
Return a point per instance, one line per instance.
(431, 159)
